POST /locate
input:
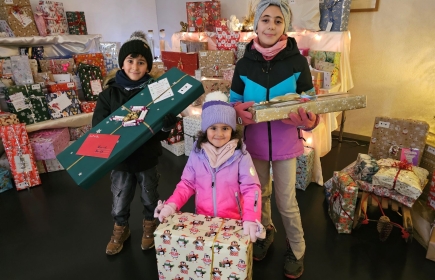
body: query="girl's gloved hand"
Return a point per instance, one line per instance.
(254, 230)
(163, 211)
(243, 117)
(303, 119)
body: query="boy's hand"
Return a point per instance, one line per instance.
(302, 119)
(169, 122)
(243, 117)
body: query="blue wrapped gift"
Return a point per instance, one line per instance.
(336, 12)
(5, 180)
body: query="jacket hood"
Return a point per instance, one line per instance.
(290, 50)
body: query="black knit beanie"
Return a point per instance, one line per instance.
(136, 44)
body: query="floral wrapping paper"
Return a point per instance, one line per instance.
(213, 84)
(227, 40)
(49, 165)
(176, 148)
(240, 52)
(334, 11)
(91, 81)
(7, 118)
(28, 103)
(21, 71)
(192, 246)
(327, 61)
(191, 126)
(212, 13)
(19, 16)
(342, 204)
(4, 27)
(176, 135)
(20, 156)
(48, 143)
(54, 17)
(57, 65)
(393, 134)
(406, 182)
(95, 59)
(211, 63)
(88, 106)
(110, 51)
(76, 23)
(5, 180)
(304, 168)
(186, 62)
(319, 105)
(77, 132)
(365, 168)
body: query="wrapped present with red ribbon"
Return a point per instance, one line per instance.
(76, 23)
(88, 106)
(401, 176)
(54, 16)
(186, 62)
(19, 16)
(342, 203)
(212, 63)
(57, 65)
(20, 156)
(95, 59)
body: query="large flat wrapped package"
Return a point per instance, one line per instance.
(405, 179)
(171, 93)
(318, 105)
(191, 246)
(391, 135)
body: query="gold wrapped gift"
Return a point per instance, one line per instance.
(319, 105)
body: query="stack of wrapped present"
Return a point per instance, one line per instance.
(175, 141)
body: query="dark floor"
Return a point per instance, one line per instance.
(60, 231)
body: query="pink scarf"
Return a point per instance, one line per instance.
(217, 156)
(271, 52)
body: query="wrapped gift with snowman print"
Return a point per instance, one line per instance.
(193, 246)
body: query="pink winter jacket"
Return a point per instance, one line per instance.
(220, 191)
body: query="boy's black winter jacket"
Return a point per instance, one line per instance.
(145, 156)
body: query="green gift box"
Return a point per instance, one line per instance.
(177, 91)
(28, 103)
(76, 23)
(91, 80)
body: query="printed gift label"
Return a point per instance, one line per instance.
(96, 87)
(19, 163)
(18, 101)
(60, 103)
(22, 17)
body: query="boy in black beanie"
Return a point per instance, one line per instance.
(136, 61)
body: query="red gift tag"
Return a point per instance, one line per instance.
(98, 145)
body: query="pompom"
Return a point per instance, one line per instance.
(138, 34)
(216, 95)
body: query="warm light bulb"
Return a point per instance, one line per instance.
(309, 140)
(318, 37)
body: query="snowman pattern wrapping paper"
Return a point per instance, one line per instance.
(193, 246)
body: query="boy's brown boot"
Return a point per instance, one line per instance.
(148, 234)
(120, 234)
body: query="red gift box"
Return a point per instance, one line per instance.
(88, 106)
(227, 40)
(20, 156)
(186, 62)
(61, 87)
(95, 59)
(201, 16)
